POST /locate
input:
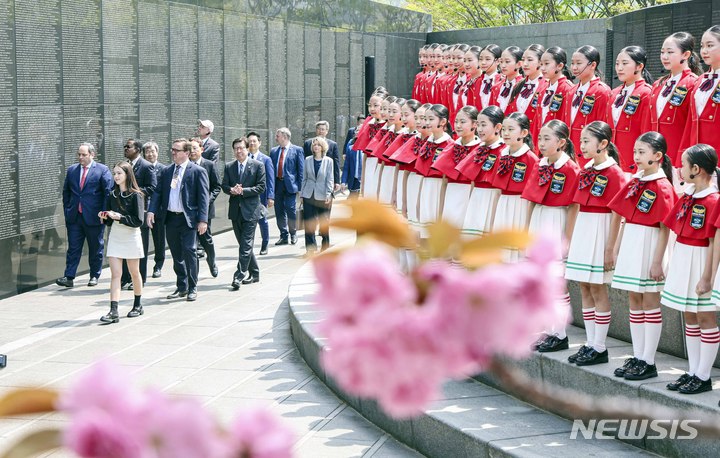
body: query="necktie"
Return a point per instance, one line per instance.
(458, 85)
(578, 98)
(635, 186)
(709, 82)
(687, 201)
(527, 90)
(481, 154)
(548, 97)
(587, 176)
(546, 173)
(459, 153)
(668, 88)
(506, 89)
(506, 164)
(621, 98)
(82, 185)
(487, 84)
(240, 170)
(252, 156)
(177, 172)
(280, 162)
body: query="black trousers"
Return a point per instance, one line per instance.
(316, 213)
(126, 278)
(206, 242)
(158, 236)
(182, 241)
(245, 236)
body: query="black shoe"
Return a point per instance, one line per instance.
(191, 295)
(281, 242)
(157, 273)
(200, 253)
(293, 239)
(695, 386)
(127, 286)
(92, 281)
(540, 341)
(682, 380)
(592, 357)
(249, 280)
(66, 282)
(135, 312)
(641, 371)
(235, 285)
(112, 315)
(581, 351)
(177, 294)
(554, 343)
(214, 270)
(627, 365)
(263, 249)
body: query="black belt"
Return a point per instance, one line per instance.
(176, 213)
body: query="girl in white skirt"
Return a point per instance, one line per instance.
(480, 168)
(641, 260)
(457, 188)
(689, 278)
(364, 138)
(592, 246)
(550, 190)
(126, 215)
(372, 173)
(407, 133)
(429, 209)
(387, 172)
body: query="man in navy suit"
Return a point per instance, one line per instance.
(211, 168)
(267, 198)
(181, 198)
(211, 149)
(352, 170)
(147, 181)
(150, 150)
(85, 192)
(322, 128)
(289, 162)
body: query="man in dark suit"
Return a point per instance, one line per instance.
(147, 181)
(244, 181)
(85, 192)
(210, 148)
(214, 179)
(267, 198)
(181, 198)
(351, 131)
(289, 162)
(150, 150)
(322, 128)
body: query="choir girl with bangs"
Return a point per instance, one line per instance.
(510, 67)
(556, 93)
(524, 97)
(407, 133)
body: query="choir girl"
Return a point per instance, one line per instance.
(406, 134)
(489, 59)
(525, 94)
(455, 99)
(511, 68)
(557, 88)
(386, 175)
(470, 92)
(370, 130)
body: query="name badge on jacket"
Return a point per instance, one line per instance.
(558, 183)
(678, 96)
(587, 105)
(632, 105)
(518, 174)
(599, 185)
(489, 162)
(716, 94)
(556, 103)
(697, 217)
(646, 201)
(534, 102)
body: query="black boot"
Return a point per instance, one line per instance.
(137, 309)
(112, 316)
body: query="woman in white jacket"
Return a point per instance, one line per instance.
(317, 194)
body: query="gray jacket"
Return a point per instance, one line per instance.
(318, 187)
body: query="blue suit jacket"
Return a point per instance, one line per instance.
(194, 192)
(293, 168)
(269, 192)
(93, 196)
(351, 167)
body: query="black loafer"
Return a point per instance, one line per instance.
(592, 357)
(281, 242)
(293, 239)
(157, 273)
(66, 282)
(641, 371)
(177, 294)
(682, 380)
(200, 254)
(92, 281)
(627, 365)
(554, 343)
(539, 342)
(214, 271)
(135, 312)
(581, 351)
(263, 251)
(249, 280)
(191, 296)
(235, 285)
(695, 386)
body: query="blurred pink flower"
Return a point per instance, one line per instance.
(93, 433)
(257, 433)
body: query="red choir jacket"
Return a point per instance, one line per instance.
(645, 200)
(471, 91)
(513, 170)
(694, 215)
(480, 166)
(451, 156)
(380, 143)
(598, 185)
(457, 88)
(497, 78)
(555, 104)
(674, 116)
(403, 137)
(429, 153)
(703, 128)
(406, 155)
(635, 111)
(367, 134)
(506, 90)
(417, 85)
(553, 185)
(532, 97)
(593, 107)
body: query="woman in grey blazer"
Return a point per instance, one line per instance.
(317, 194)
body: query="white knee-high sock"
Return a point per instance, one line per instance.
(709, 343)
(653, 327)
(637, 332)
(602, 324)
(692, 342)
(564, 301)
(589, 320)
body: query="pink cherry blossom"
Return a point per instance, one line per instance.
(94, 433)
(257, 433)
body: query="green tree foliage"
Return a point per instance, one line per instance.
(471, 14)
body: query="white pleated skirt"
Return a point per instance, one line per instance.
(414, 185)
(586, 256)
(511, 212)
(369, 190)
(480, 211)
(549, 221)
(682, 277)
(124, 242)
(386, 188)
(400, 190)
(632, 268)
(457, 198)
(430, 200)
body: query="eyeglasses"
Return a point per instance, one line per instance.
(175, 150)
(128, 146)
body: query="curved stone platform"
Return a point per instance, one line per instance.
(474, 419)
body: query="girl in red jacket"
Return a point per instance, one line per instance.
(457, 82)
(470, 92)
(489, 59)
(525, 95)
(557, 88)
(510, 67)
(407, 133)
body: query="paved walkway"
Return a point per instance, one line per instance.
(228, 349)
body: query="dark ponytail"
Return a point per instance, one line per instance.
(592, 55)
(705, 157)
(639, 56)
(413, 104)
(441, 112)
(657, 143)
(524, 122)
(560, 57)
(562, 132)
(538, 50)
(602, 131)
(493, 49)
(686, 42)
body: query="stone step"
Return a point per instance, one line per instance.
(472, 420)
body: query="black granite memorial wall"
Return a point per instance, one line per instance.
(104, 71)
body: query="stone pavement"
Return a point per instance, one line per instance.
(229, 349)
